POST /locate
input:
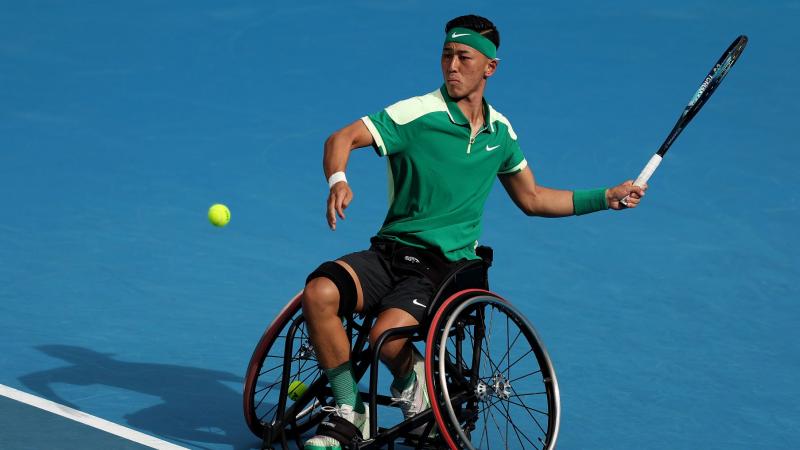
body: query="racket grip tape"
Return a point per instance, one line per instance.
(645, 174)
(648, 170)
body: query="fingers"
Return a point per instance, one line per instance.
(632, 201)
(343, 198)
(630, 190)
(331, 214)
(340, 206)
(629, 195)
(338, 200)
(638, 191)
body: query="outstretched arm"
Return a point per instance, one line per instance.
(535, 200)
(337, 151)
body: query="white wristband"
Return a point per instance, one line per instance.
(335, 178)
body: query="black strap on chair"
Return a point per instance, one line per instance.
(486, 254)
(470, 274)
(340, 429)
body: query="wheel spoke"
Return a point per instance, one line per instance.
(313, 374)
(495, 368)
(494, 419)
(526, 375)
(268, 412)
(491, 321)
(269, 386)
(478, 411)
(485, 424)
(528, 410)
(485, 354)
(508, 349)
(260, 374)
(508, 353)
(529, 393)
(515, 427)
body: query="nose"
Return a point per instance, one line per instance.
(453, 65)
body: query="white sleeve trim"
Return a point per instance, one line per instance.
(375, 134)
(516, 168)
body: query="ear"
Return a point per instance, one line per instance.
(491, 67)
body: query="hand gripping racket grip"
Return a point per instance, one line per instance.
(646, 173)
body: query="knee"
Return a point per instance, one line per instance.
(374, 333)
(330, 286)
(391, 347)
(320, 297)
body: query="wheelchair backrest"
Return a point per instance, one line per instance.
(471, 274)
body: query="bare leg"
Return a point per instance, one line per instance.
(396, 353)
(321, 308)
(321, 311)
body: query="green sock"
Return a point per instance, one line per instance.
(344, 387)
(403, 383)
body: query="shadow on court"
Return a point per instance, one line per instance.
(197, 406)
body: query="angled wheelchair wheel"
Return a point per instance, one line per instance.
(265, 387)
(284, 361)
(489, 377)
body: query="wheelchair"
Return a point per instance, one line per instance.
(489, 378)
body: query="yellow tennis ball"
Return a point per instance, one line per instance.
(296, 389)
(219, 215)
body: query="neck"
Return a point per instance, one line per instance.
(472, 107)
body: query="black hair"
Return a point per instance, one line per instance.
(480, 24)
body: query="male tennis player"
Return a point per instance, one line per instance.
(444, 150)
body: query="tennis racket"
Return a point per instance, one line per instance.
(707, 87)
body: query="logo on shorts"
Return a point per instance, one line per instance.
(418, 303)
(411, 259)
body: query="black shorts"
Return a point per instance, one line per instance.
(393, 275)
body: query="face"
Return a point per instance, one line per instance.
(465, 69)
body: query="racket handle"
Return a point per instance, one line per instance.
(645, 174)
(648, 170)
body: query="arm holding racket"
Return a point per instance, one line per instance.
(536, 200)
(707, 87)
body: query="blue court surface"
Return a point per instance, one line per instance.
(672, 326)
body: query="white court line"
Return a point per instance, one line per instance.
(87, 419)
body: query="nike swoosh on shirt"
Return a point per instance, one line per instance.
(418, 303)
(488, 149)
(454, 35)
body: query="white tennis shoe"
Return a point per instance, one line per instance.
(414, 399)
(361, 421)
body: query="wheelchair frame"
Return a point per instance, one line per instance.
(469, 280)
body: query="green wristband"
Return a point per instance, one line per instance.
(585, 201)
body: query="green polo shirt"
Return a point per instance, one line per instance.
(440, 176)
